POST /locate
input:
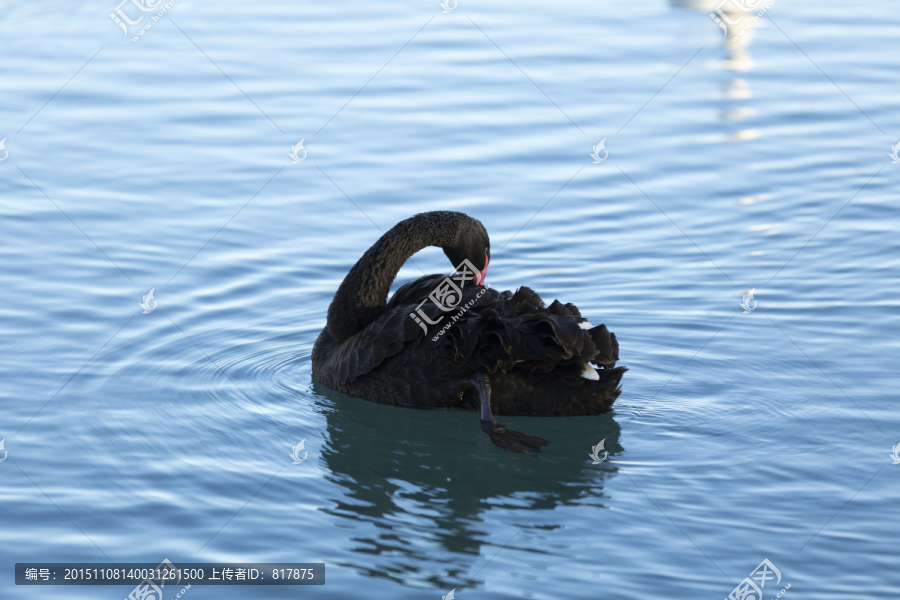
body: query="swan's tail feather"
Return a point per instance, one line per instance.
(606, 344)
(540, 342)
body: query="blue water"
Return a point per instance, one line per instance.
(163, 164)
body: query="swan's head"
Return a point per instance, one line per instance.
(473, 244)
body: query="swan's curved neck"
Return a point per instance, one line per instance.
(362, 295)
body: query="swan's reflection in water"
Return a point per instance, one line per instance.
(431, 482)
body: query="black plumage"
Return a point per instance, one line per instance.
(507, 353)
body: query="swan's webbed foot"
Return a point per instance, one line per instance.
(513, 440)
(499, 434)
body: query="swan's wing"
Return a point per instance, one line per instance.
(510, 331)
(415, 291)
(384, 337)
(395, 330)
(499, 332)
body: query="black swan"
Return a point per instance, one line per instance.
(452, 342)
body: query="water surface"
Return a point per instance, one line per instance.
(163, 164)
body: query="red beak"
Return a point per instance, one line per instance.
(480, 277)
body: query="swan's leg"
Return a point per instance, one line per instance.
(499, 434)
(483, 389)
